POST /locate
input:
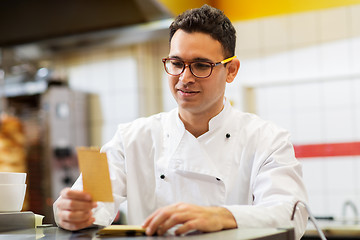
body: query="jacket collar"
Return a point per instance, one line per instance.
(218, 120)
(180, 144)
(214, 123)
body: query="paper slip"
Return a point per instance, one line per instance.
(122, 230)
(95, 174)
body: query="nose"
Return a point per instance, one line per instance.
(186, 76)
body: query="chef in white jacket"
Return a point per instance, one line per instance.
(203, 166)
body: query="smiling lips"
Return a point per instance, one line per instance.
(186, 93)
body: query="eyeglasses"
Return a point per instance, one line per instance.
(200, 69)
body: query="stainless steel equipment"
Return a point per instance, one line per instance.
(65, 123)
(55, 122)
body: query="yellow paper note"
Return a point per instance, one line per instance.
(95, 174)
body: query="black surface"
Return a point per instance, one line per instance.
(90, 234)
(25, 21)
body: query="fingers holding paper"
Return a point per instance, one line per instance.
(191, 217)
(74, 209)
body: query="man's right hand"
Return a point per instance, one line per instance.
(74, 209)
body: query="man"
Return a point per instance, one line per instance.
(205, 165)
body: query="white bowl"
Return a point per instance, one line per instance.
(12, 197)
(12, 178)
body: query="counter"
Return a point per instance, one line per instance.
(333, 230)
(238, 234)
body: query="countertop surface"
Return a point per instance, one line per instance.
(337, 229)
(239, 234)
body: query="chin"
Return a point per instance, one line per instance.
(192, 108)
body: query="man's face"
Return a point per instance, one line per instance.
(198, 95)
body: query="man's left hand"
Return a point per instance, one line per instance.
(192, 217)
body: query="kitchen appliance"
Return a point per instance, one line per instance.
(65, 125)
(55, 123)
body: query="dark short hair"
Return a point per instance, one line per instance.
(207, 20)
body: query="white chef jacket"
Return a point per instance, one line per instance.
(242, 163)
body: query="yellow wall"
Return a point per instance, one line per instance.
(179, 6)
(249, 9)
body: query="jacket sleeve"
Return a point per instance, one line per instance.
(276, 186)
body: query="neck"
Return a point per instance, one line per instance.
(197, 124)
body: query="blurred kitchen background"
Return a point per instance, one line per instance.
(71, 71)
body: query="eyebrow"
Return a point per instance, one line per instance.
(193, 60)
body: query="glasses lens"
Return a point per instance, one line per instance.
(174, 67)
(198, 69)
(201, 69)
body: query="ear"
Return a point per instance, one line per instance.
(233, 68)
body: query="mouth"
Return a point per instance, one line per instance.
(186, 92)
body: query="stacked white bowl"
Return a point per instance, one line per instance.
(12, 191)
